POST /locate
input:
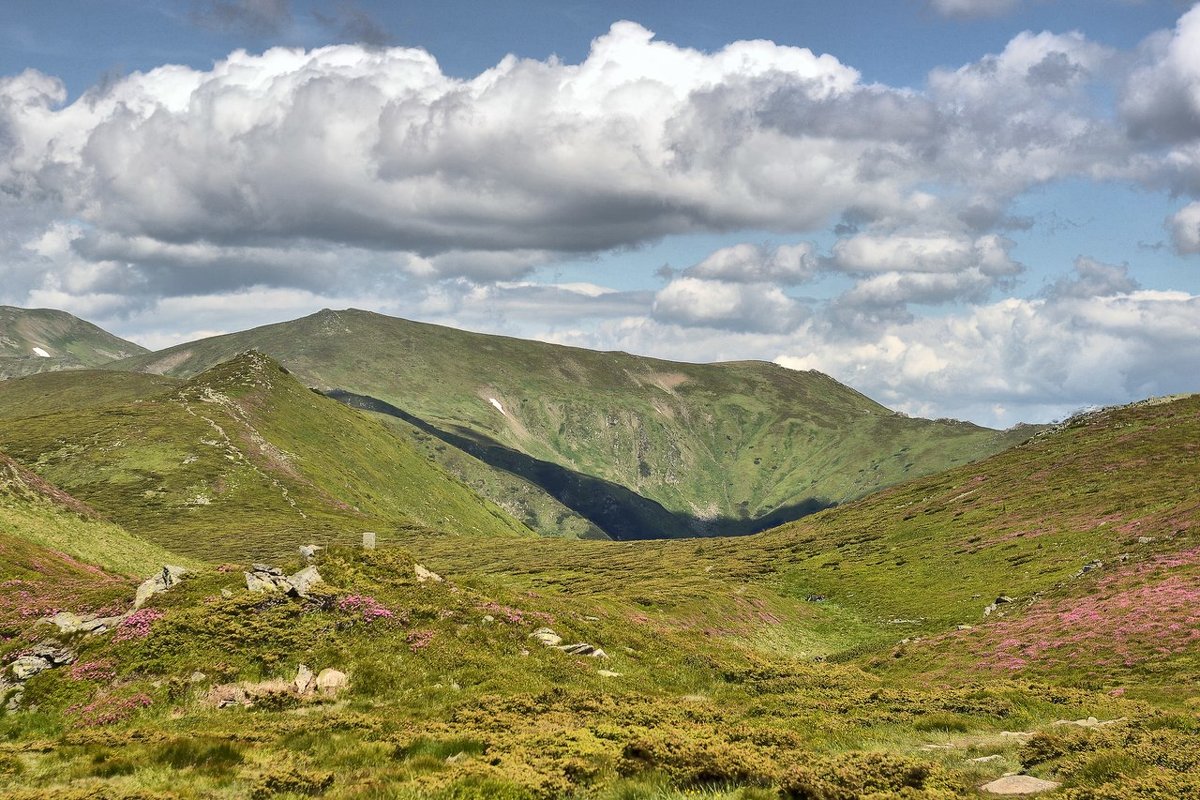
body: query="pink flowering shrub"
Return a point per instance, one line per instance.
(1134, 615)
(107, 710)
(419, 640)
(93, 671)
(514, 616)
(370, 608)
(137, 625)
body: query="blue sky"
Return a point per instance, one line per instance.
(977, 208)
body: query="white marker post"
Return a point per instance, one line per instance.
(368, 540)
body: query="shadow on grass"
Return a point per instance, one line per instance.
(620, 512)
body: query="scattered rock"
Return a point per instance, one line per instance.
(1017, 734)
(168, 577)
(1090, 722)
(607, 673)
(1089, 567)
(488, 619)
(590, 618)
(1002, 599)
(26, 667)
(309, 551)
(368, 540)
(226, 695)
(226, 594)
(267, 569)
(304, 580)
(197, 677)
(815, 598)
(69, 623)
(1018, 784)
(424, 575)
(966, 627)
(1145, 540)
(258, 582)
(303, 680)
(578, 649)
(598, 653)
(546, 637)
(330, 681)
(986, 759)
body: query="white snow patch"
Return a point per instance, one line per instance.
(37, 351)
(499, 407)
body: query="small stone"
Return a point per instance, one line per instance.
(1018, 784)
(309, 551)
(1145, 540)
(607, 673)
(424, 575)
(330, 681)
(197, 677)
(966, 627)
(488, 619)
(226, 594)
(303, 680)
(266, 569)
(546, 637)
(598, 653)
(986, 759)
(1002, 599)
(578, 649)
(368, 540)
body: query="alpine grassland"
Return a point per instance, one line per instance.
(1031, 614)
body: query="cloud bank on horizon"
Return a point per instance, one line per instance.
(177, 202)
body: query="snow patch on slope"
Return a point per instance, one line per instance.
(498, 406)
(37, 351)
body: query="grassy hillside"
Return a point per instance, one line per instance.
(64, 342)
(76, 390)
(244, 460)
(1091, 530)
(66, 533)
(823, 659)
(640, 446)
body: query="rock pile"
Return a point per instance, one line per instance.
(265, 578)
(548, 638)
(306, 685)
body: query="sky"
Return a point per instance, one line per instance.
(980, 209)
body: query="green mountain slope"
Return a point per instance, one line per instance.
(45, 340)
(243, 460)
(37, 517)
(823, 659)
(1091, 530)
(641, 447)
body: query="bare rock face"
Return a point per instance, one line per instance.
(266, 578)
(1018, 785)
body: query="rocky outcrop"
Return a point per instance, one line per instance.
(36, 660)
(70, 623)
(548, 638)
(168, 577)
(305, 686)
(425, 575)
(265, 578)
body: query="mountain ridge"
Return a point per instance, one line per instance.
(42, 340)
(724, 448)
